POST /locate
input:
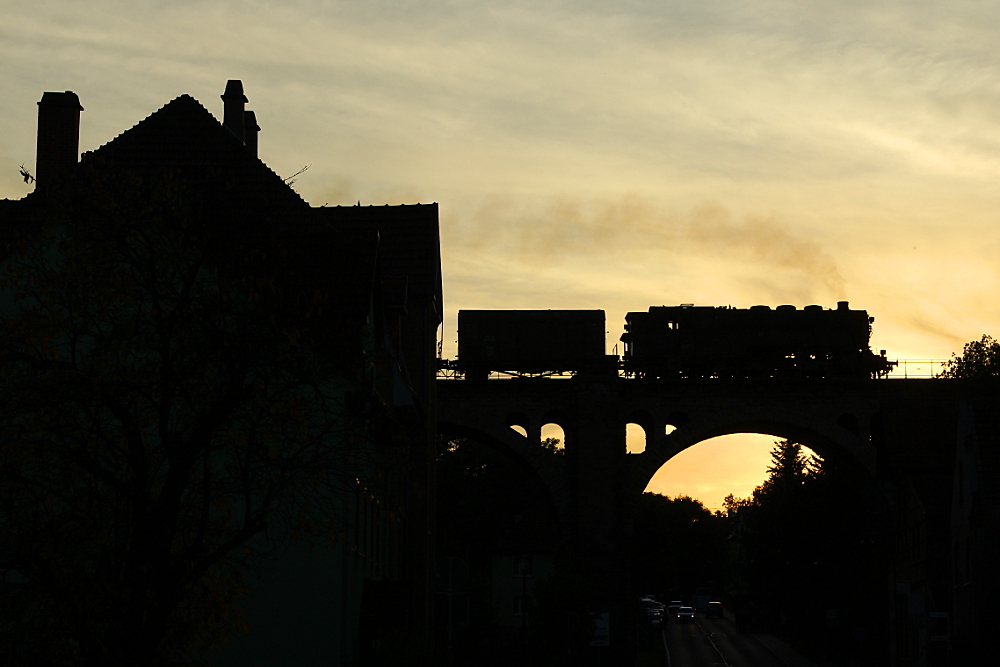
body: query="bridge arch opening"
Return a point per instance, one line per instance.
(519, 422)
(553, 432)
(708, 471)
(635, 438)
(639, 425)
(821, 547)
(554, 436)
(711, 465)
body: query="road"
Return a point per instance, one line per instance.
(714, 642)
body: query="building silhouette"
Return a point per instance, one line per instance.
(380, 270)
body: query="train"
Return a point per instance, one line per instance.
(667, 342)
(727, 342)
(529, 342)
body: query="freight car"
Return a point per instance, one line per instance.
(723, 342)
(529, 342)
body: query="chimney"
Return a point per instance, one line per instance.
(251, 129)
(58, 147)
(233, 104)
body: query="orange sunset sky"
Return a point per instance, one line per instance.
(597, 155)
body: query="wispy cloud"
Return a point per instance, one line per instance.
(633, 229)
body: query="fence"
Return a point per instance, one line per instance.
(905, 369)
(916, 368)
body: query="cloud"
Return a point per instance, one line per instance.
(561, 229)
(766, 241)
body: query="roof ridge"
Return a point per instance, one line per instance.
(175, 123)
(180, 99)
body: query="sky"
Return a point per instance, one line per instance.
(591, 154)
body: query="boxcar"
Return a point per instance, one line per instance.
(529, 341)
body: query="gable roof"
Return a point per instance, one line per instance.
(183, 135)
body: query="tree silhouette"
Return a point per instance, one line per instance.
(979, 358)
(553, 445)
(809, 542)
(789, 470)
(677, 545)
(162, 408)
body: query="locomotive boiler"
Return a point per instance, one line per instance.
(690, 341)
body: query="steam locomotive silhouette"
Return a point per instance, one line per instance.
(684, 341)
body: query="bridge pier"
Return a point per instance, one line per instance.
(601, 529)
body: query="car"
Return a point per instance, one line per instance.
(714, 609)
(685, 615)
(655, 611)
(674, 606)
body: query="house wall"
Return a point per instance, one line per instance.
(305, 601)
(975, 534)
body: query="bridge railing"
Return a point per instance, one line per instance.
(449, 369)
(905, 369)
(451, 373)
(916, 369)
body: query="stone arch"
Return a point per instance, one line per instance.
(548, 470)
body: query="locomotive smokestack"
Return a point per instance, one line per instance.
(843, 305)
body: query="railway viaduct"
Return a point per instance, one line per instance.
(900, 435)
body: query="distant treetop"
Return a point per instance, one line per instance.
(979, 359)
